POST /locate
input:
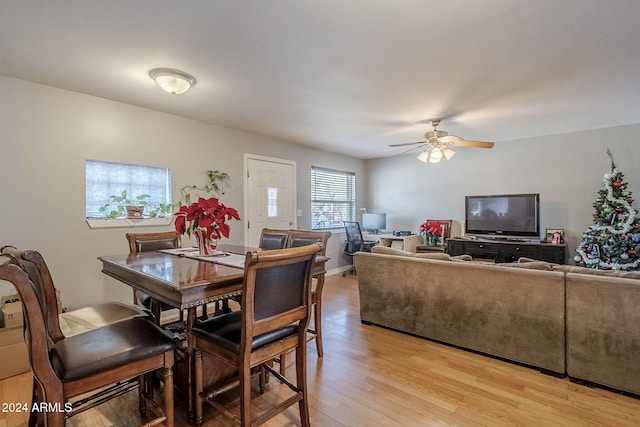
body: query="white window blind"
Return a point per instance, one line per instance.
(105, 179)
(333, 198)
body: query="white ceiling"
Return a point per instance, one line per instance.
(346, 76)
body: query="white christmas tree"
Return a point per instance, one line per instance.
(613, 242)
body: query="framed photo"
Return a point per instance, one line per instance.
(555, 236)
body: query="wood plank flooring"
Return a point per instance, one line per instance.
(371, 376)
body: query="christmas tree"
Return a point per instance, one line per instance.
(613, 242)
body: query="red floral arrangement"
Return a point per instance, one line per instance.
(207, 214)
(433, 228)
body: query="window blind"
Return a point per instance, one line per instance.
(105, 179)
(333, 198)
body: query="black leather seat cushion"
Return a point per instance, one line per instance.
(272, 241)
(226, 331)
(111, 346)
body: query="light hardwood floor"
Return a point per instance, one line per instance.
(371, 376)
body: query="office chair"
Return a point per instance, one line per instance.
(355, 243)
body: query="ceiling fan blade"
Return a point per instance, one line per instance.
(407, 143)
(476, 144)
(408, 151)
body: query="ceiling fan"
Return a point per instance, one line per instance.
(438, 144)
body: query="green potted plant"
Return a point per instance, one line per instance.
(132, 207)
(215, 179)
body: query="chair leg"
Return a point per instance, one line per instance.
(301, 382)
(143, 390)
(317, 320)
(245, 396)
(283, 364)
(198, 387)
(167, 373)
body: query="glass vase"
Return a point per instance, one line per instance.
(432, 240)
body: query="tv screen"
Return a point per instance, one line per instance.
(374, 222)
(515, 215)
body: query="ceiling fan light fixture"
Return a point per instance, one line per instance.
(448, 153)
(424, 156)
(172, 81)
(436, 156)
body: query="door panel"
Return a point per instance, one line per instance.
(270, 196)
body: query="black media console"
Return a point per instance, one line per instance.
(506, 251)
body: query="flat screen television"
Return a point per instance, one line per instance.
(507, 215)
(374, 222)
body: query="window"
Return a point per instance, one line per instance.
(333, 198)
(105, 179)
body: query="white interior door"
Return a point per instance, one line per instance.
(270, 196)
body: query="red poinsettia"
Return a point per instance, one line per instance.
(433, 228)
(209, 214)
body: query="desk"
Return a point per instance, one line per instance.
(406, 243)
(184, 283)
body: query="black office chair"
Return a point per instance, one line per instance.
(355, 243)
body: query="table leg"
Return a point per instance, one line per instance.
(191, 320)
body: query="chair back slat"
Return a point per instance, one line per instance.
(147, 242)
(272, 239)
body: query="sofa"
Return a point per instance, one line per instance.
(561, 319)
(512, 313)
(603, 327)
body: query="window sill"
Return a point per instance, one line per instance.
(127, 222)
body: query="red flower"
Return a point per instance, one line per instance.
(431, 227)
(617, 184)
(206, 213)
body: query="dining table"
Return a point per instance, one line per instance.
(185, 280)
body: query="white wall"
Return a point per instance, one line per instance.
(48, 133)
(566, 170)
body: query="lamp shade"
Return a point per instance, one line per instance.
(172, 81)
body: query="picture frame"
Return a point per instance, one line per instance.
(555, 236)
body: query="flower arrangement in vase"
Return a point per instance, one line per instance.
(206, 220)
(432, 231)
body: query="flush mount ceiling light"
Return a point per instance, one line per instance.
(172, 81)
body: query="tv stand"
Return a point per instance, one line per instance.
(507, 251)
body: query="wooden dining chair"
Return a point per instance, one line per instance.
(147, 242)
(298, 238)
(92, 317)
(97, 365)
(271, 239)
(275, 313)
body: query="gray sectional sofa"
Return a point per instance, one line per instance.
(562, 319)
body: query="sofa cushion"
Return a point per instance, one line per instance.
(393, 251)
(597, 272)
(532, 265)
(464, 258)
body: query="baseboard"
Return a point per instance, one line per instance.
(338, 270)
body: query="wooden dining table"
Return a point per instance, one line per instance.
(181, 280)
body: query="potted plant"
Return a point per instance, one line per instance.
(215, 179)
(132, 207)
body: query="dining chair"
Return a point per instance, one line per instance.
(147, 242)
(93, 366)
(275, 314)
(355, 243)
(271, 239)
(91, 317)
(298, 238)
